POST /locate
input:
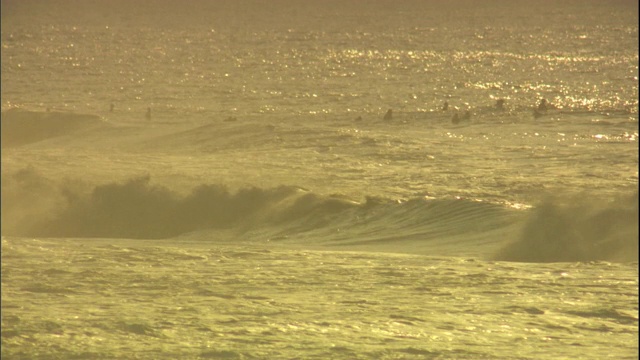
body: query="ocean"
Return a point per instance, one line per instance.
(291, 179)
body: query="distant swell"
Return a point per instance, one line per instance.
(21, 127)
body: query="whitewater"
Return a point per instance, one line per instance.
(326, 180)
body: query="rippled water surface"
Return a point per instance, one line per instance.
(221, 174)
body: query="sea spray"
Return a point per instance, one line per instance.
(578, 228)
(557, 229)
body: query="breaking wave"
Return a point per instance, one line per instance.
(34, 206)
(578, 228)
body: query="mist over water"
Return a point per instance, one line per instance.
(137, 209)
(319, 179)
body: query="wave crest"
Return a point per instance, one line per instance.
(136, 208)
(556, 230)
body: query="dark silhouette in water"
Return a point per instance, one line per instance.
(111, 107)
(537, 114)
(388, 115)
(148, 114)
(445, 107)
(500, 104)
(542, 107)
(359, 118)
(456, 119)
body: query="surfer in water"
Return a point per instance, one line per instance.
(388, 115)
(500, 104)
(456, 119)
(537, 114)
(148, 114)
(111, 107)
(542, 107)
(445, 106)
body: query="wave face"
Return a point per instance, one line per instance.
(580, 228)
(138, 209)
